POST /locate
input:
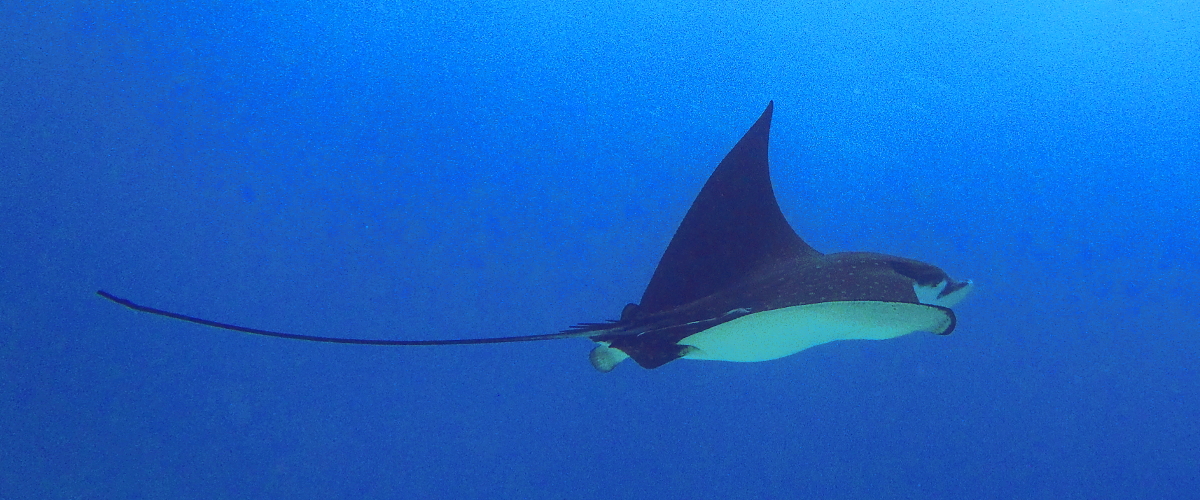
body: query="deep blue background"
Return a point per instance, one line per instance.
(467, 169)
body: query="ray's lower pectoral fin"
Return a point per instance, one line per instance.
(871, 319)
(782, 332)
(914, 317)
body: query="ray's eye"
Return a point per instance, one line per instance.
(924, 274)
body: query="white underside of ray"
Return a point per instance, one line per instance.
(782, 332)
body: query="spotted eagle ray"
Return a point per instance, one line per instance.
(737, 283)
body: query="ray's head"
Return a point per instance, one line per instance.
(931, 284)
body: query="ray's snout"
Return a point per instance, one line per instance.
(954, 292)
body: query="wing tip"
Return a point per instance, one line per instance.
(952, 320)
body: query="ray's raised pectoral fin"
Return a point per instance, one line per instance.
(733, 227)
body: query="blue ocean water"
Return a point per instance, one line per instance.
(433, 169)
